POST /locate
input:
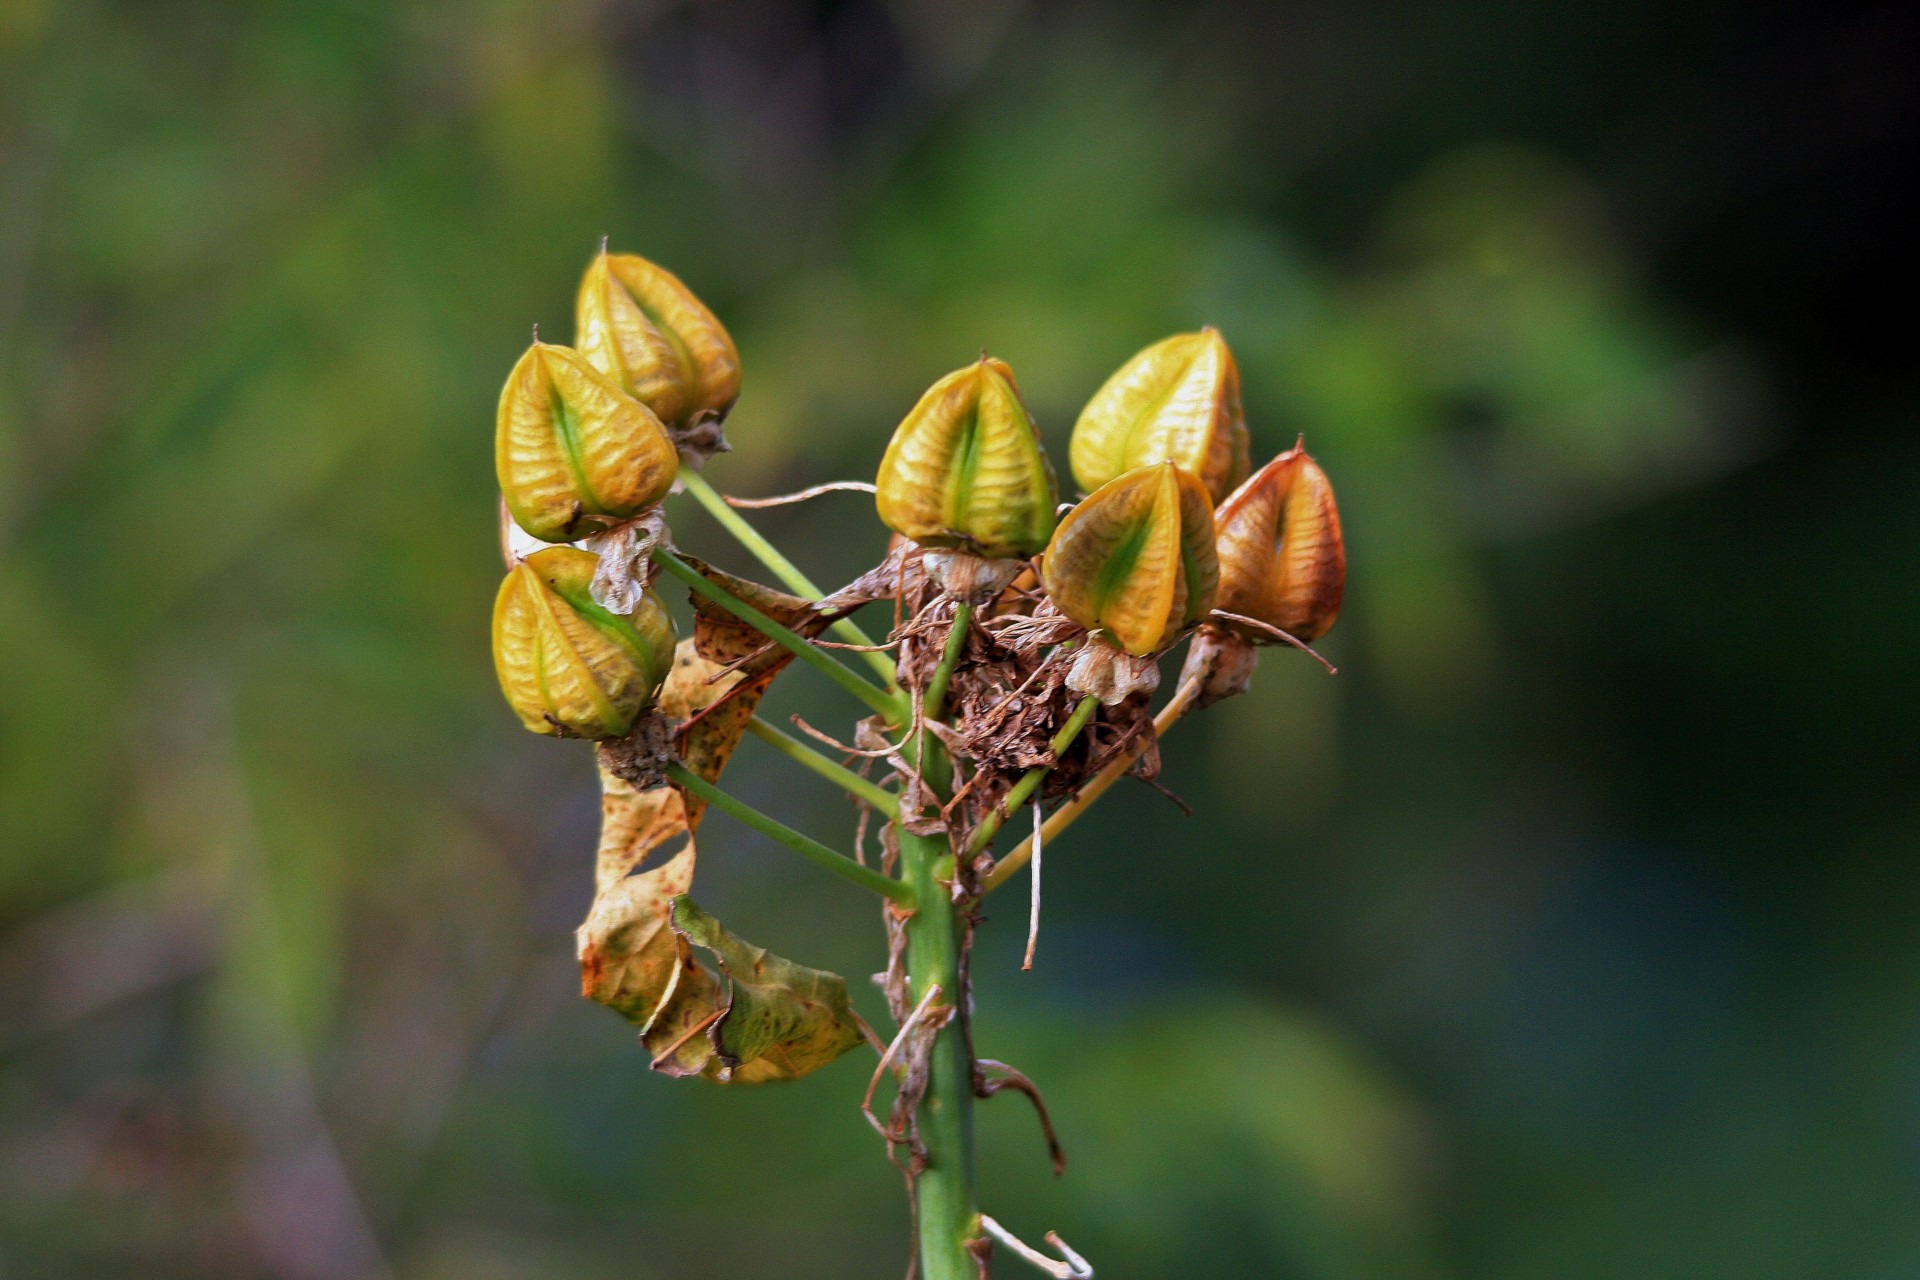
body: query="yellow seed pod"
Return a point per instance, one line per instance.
(1282, 559)
(1135, 560)
(569, 667)
(1177, 401)
(965, 470)
(638, 324)
(573, 452)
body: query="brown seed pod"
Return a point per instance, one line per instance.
(1282, 559)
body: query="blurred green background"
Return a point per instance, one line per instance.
(1570, 932)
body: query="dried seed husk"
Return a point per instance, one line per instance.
(574, 453)
(1177, 401)
(567, 666)
(1135, 562)
(637, 323)
(1282, 559)
(965, 470)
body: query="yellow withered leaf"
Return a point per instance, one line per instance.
(637, 323)
(568, 666)
(1282, 558)
(1177, 401)
(1135, 560)
(762, 1018)
(965, 470)
(573, 452)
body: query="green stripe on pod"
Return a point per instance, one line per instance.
(1134, 562)
(573, 452)
(568, 666)
(965, 470)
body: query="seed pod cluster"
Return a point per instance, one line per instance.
(569, 667)
(965, 470)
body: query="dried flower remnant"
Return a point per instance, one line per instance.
(569, 667)
(576, 455)
(1176, 401)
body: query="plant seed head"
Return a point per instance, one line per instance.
(638, 324)
(965, 470)
(1135, 562)
(568, 667)
(1178, 401)
(573, 452)
(1282, 559)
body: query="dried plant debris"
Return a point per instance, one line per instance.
(762, 1018)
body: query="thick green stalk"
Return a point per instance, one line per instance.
(1031, 779)
(886, 703)
(840, 776)
(804, 845)
(784, 569)
(946, 1209)
(946, 1217)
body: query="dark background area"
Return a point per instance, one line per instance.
(1573, 930)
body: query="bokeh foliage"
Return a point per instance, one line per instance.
(1569, 932)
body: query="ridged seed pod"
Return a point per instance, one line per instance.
(965, 470)
(567, 666)
(1282, 559)
(1177, 401)
(573, 452)
(1135, 561)
(637, 323)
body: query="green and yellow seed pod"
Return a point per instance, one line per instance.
(1135, 561)
(965, 470)
(1177, 401)
(567, 666)
(573, 452)
(638, 324)
(1282, 559)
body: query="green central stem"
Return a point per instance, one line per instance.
(946, 1210)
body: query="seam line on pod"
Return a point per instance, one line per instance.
(603, 705)
(570, 447)
(688, 369)
(1124, 462)
(608, 623)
